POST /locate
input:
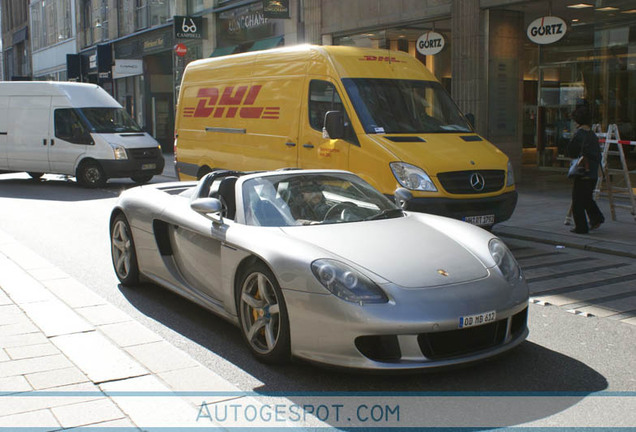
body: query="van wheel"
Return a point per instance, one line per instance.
(142, 178)
(35, 175)
(91, 175)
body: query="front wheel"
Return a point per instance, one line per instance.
(122, 248)
(142, 178)
(263, 315)
(91, 175)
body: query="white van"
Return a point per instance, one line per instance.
(73, 129)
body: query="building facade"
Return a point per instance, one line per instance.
(496, 60)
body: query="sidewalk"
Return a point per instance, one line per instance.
(544, 199)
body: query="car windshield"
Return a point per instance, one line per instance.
(313, 199)
(390, 106)
(109, 120)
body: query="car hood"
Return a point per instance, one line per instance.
(404, 251)
(129, 140)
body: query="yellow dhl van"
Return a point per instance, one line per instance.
(378, 113)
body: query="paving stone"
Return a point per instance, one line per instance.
(73, 293)
(65, 395)
(129, 333)
(47, 273)
(23, 256)
(122, 425)
(55, 318)
(161, 356)
(19, 286)
(199, 379)
(103, 314)
(14, 384)
(3, 355)
(31, 351)
(56, 378)
(87, 413)
(8, 341)
(4, 299)
(31, 365)
(98, 357)
(18, 329)
(10, 314)
(631, 321)
(42, 419)
(148, 411)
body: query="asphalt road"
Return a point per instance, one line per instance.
(68, 225)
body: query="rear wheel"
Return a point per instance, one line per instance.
(91, 175)
(142, 178)
(123, 252)
(263, 315)
(35, 175)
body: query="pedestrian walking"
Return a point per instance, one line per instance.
(585, 145)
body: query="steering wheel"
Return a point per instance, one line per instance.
(340, 210)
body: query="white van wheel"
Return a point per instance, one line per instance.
(142, 178)
(91, 175)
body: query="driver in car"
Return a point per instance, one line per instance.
(310, 203)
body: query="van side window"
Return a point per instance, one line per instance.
(323, 97)
(69, 127)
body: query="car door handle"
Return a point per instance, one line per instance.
(290, 144)
(52, 142)
(308, 145)
(44, 141)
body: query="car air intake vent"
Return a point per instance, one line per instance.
(470, 138)
(125, 135)
(150, 153)
(472, 182)
(405, 139)
(455, 343)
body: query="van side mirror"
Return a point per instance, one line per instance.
(402, 196)
(334, 125)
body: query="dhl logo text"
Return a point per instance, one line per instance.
(381, 59)
(233, 102)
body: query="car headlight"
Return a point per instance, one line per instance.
(505, 261)
(346, 282)
(412, 177)
(120, 153)
(510, 179)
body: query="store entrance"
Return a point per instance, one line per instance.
(160, 99)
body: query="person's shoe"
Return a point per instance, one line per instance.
(574, 230)
(596, 225)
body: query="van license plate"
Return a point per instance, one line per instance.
(480, 220)
(148, 166)
(476, 320)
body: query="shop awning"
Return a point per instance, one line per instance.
(224, 51)
(268, 43)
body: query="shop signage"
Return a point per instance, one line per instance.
(546, 30)
(276, 9)
(180, 50)
(187, 27)
(430, 43)
(127, 67)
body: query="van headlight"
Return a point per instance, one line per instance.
(346, 282)
(412, 177)
(510, 178)
(505, 261)
(120, 153)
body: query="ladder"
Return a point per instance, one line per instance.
(621, 191)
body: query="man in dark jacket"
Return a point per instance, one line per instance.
(585, 143)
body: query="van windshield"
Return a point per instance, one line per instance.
(404, 106)
(109, 120)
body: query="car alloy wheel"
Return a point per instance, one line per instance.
(123, 252)
(263, 315)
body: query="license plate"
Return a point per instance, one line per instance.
(148, 166)
(480, 220)
(476, 320)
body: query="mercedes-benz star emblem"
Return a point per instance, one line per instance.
(477, 182)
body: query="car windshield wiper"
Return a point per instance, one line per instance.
(386, 214)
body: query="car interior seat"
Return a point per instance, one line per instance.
(227, 194)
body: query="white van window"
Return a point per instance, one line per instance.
(404, 106)
(109, 120)
(70, 127)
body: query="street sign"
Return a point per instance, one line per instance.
(546, 30)
(430, 43)
(181, 50)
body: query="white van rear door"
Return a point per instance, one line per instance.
(70, 139)
(28, 142)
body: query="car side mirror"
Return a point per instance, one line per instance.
(402, 196)
(334, 125)
(208, 207)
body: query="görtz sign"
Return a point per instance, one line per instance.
(546, 30)
(430, 43)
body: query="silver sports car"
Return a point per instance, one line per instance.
(319, 265)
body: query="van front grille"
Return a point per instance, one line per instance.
(150, 153)
(472, 182)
